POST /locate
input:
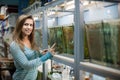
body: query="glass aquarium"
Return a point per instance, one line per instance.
(56, 36)
(95, 41)
(38, 37)
(68, 36)
(101, 33)
(111, 29)
(63, 37)
(103, 41)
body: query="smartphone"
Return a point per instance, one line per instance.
(53, 45)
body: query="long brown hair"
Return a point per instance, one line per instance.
(17, 34)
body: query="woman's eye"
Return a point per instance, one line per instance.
(31, 24)
(26, 24)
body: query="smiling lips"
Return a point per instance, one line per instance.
(28, 31)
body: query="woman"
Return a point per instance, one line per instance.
(24, 50)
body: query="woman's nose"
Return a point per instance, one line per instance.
(29, 26)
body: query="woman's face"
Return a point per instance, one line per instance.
(27, 27)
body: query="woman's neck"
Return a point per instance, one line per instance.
(26, 42)
(25, 38)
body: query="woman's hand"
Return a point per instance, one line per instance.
(44, 51)
(52, 51)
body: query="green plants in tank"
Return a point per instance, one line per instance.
(68, 36)
(61, 47)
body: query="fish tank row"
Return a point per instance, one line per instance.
(61, 35)
(102, 40)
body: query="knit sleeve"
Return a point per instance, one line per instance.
(22, 60)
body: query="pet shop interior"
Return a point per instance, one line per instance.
(86, 33)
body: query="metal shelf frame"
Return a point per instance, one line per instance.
(65, 60)
(100, 70)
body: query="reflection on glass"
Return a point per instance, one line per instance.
(38, 37)
(111, 41)
(51, 36)
(61, 47)
(103, 42)
(86, 51)
(63, 37)
(56, 36)
(95, 41)
(68, 36)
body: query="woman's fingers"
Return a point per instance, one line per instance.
(44, 51)
(52, 50)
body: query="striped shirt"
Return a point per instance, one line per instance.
(26, 62)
